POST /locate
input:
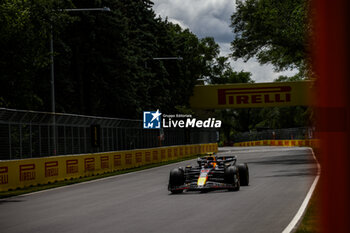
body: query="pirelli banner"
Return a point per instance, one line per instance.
(251, 95)
(26, 172)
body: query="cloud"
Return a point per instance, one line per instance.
(203, 17)
(212, 18)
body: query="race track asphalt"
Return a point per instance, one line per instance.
(280, 178)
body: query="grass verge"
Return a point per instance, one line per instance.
(36, 188)
(311, 219)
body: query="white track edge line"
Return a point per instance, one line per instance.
(306, 201)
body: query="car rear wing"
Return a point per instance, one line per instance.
(226, 159)
(219, 159)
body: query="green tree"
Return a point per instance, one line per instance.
(106, 61)
(103, 60)
(25, 28)
(273, 31)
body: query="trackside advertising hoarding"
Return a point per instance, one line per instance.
(314, 143)
(26, 172)
(252, 95)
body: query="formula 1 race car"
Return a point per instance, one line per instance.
(212, 173)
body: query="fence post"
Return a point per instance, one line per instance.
(10, 136)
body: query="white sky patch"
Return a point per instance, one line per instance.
(260, 73)
(212, 18)
(181, 23)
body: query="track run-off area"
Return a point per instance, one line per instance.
(280, 179)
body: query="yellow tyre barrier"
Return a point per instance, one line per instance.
(26, 172)
(315, 143)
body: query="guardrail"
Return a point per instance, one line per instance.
(29, 172)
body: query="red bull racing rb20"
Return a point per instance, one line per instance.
(211, 173)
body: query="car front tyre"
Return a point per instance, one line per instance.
(243, 174)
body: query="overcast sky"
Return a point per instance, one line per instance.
(212, 18)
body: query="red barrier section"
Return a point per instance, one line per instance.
(330, 63)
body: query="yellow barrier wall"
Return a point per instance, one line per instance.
(23, 173)
(307, 142)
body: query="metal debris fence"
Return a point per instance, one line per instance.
(30, 134)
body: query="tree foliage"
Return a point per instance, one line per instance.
(25, 28)
(103, 60)
(273, 31)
